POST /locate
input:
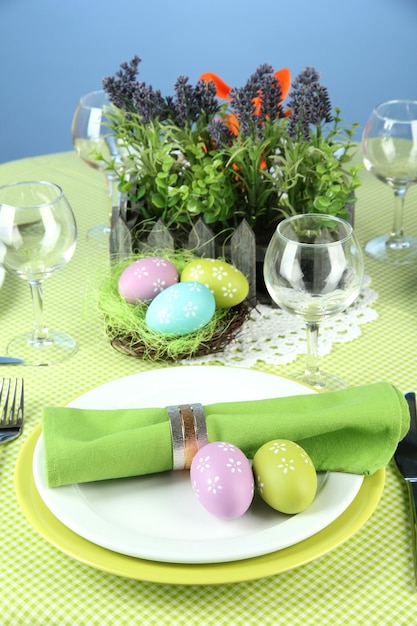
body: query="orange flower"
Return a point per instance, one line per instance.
(223, 90)
(284, 77)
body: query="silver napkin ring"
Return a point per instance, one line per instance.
(188, 433)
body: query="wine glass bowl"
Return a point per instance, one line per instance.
(389, 148)
(313, 268)
(92, 137)
(38, 233)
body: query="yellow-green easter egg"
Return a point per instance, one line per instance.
(285, 476)
(227, 284)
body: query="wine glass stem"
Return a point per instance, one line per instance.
(396, 239)
(113, 193)
(40, 331)
(312, 370)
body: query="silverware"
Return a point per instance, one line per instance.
(406, 460)
(11, 407)
(9, 360)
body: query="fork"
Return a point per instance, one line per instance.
(11, 407)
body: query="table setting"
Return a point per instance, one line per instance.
(103, 515)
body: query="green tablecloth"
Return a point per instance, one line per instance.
(367, 580)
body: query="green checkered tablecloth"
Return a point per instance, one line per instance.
(366, 580)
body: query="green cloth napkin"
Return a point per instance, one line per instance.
(353, 430)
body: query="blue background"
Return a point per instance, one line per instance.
(53, 51)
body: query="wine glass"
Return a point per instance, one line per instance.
(91, 136)
(39, 234)
(389, 146)
(313, 268)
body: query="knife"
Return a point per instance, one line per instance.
(9, 360)
(406, 460)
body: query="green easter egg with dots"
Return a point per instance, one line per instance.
(285, 476)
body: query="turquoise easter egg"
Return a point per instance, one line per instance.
(227, 284)
(181, 309)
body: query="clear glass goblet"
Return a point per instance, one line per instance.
(389, 147)
(92, 136)
(313, 268)
(39, 234)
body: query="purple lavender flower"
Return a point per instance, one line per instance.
(254, 82)
(187, 106)
(258, 101)
(309, 103)
(270, 95)
(147, 102)
(220, 133)
(121, 87)
(242, 106)
(307, 76)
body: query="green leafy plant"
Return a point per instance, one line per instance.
(243, 155)
(316, 174)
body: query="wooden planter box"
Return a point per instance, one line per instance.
(241, 249)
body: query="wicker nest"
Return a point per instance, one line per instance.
(129, 334)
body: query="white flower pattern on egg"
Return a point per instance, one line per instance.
(159, 285)
(281, 447)
(259, 484)
(172, 295)
(286, 465)
(229, 291)
(278, 447)
(226, 447)
(196, 489)
(306, 458)
(190, 309)
(219, 272)
(141, 271)
(196, 272)
(159, 262)
(213, 486)
(164, 316)
(235, 466)
(194, 287)
(203, 463)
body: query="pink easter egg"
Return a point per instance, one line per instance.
(222, 479)
(146, 278)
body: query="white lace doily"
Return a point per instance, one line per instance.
(276, 337)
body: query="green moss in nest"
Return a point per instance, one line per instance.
(128, 332)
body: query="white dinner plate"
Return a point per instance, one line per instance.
(157, 517)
